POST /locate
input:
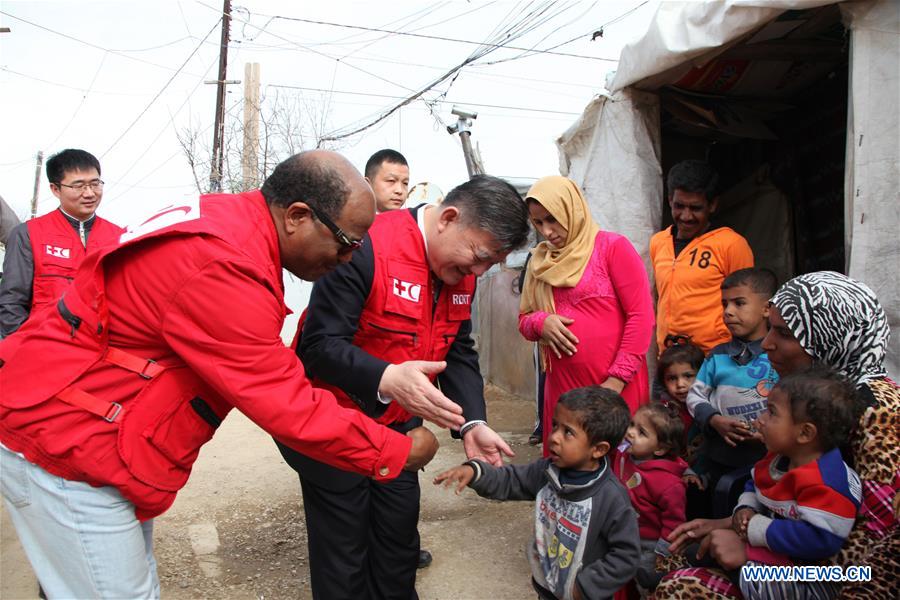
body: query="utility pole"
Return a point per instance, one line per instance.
(215, 176)
(37, 182)
(250, 155)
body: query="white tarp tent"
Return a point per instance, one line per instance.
(614, 149)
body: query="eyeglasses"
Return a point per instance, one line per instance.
(79, 186)
(338, 233)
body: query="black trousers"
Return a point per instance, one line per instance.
(362, 535)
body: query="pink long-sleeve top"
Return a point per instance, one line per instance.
(613, 313)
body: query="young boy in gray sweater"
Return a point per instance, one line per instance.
(586, 543)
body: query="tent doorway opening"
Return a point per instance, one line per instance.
(770, 115)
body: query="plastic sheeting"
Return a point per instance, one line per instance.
(612, 152)
(872, 199)
(613, 149)
(684, 34)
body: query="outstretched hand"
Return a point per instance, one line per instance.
(484, 443)
(461, 476)
(408, 385)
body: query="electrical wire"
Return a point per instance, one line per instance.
(160, 92)
(436, 37)
(171, 120)
(577, 37)
(352, 66)
(505, 33)
(169, 159)
(80, 104)
(89, 44)
(71, 87)
(467, 103)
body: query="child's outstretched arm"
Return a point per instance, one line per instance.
(461, 476)
(509, 482)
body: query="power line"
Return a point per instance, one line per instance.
(89, 44)
(71, 87)
(171, 120)
(505, 33)
(437, 38)
(166, 161)
(577, 37)
(299, 45)
(160, 92)
(465, 102)
(80, 104)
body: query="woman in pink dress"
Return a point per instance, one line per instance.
(586, 300)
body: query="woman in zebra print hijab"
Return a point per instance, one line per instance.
(835, 320)
(831, 319)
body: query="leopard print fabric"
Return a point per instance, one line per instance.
(688, 585)
(876, 449)
(876, 443)
(885, 571)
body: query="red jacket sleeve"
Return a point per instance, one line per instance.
(224, 322)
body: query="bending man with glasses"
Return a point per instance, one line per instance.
(107, 399)
(43, 254)
(381, 332)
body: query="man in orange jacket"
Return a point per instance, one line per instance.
(691, 259)
(107, 395)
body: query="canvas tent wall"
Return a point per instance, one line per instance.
(751, 59)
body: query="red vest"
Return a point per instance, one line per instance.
(61, 370)
(400, 320)
(57, 252)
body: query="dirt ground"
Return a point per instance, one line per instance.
(237, 529)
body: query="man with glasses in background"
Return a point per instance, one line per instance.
(43, 254)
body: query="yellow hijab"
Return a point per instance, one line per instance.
(552, 267)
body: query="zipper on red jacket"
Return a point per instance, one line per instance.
(411, 334)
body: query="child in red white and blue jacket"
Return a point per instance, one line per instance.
(801, 503)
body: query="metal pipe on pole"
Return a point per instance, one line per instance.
(463, 127)
(37, 183)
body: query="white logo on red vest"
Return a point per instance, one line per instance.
(57, 251)
(462, 299)
(168, 216)
(406, 290)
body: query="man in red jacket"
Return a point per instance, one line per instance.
(107, 396)
(43, 254)
(405, 296)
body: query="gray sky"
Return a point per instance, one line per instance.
(119, 78)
